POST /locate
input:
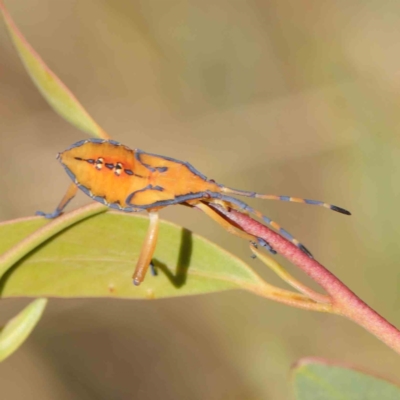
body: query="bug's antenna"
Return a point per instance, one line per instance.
(284, 198)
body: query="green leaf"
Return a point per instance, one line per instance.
(54, 91)
(96, 258)
(318, 380)
(19, 328)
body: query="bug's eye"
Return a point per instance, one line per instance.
(118, 169)
(99, 163)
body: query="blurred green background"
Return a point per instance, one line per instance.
(285, 97)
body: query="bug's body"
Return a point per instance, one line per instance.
(133, 180)
(113, 174)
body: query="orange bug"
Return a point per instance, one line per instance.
(133, 180)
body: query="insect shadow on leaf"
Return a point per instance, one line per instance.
(185, 254)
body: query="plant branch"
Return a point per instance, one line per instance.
(344, 301)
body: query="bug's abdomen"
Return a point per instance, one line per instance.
(174, 176)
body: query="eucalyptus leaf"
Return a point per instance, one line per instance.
(18, 329)
(54, 91)
(316, 380)
(96, 258)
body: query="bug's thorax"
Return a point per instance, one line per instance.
(104, 169)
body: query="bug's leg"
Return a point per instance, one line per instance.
(265, 244)
(245, 207)
(153, 269)
(71, 192)
(283, 198)
(209, 210)
(147, 251)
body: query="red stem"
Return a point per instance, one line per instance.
(344, 301)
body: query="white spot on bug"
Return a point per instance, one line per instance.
(118, 169)
(99, 163)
